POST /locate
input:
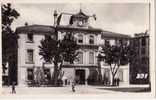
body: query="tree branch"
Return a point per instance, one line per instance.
(114, 67)
(117, 69)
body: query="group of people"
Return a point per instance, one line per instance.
(107, 82)
(116, 81)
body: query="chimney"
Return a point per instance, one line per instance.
(55, 17)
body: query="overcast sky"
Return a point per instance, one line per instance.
(122, 18)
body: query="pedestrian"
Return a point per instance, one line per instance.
(66, 81)
(73, 86)
(118, 80)
(13, 87)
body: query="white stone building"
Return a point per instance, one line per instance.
(89, 39)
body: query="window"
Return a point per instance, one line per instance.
(30, 74)
(91, 58)
(29, 56)
(80, 57)
(143, 41)
(30, 37)
(47, 36)
(144, 60)
(80, 38)
(143, 50)
(112, 42)
(91, 39)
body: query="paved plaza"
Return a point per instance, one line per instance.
(80, 89)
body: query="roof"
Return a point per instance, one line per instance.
(44, 29)
(105, 34)
(109, 34)
(80, 15)
(140, 35)
(39, 29)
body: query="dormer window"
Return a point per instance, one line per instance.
(91, 39)
(29, 37)
(80, 39)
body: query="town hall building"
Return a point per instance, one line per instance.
(88, 38)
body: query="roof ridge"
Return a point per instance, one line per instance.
(114, 32)
(35, 28)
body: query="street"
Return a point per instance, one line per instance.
(80, 89)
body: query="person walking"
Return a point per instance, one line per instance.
(13, 87)
(118, 81)
(73, 86)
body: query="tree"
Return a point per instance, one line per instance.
(58, 51)
(99, 59)
(115, 56)
(9, 39)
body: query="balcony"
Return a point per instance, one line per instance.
(88, 46)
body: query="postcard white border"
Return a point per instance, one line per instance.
(101, 96)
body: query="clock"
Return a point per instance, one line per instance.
(80, 23)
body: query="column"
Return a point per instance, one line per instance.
(126, 76)
(86, 75)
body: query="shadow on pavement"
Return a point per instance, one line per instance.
(134, 89)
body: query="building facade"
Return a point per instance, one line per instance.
(88, 38)
(139, 69)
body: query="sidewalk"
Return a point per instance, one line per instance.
(55, 90)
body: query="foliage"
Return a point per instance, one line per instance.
(68, 48)
(116, 55)
(58, 51)
(9, 40)
(49, 49)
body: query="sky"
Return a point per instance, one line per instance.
(124, 18)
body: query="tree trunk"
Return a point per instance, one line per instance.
(55, 75)
(99, 73)
(113, 82)
(12, 69)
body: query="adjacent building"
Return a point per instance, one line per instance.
(139, 68)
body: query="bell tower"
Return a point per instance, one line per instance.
(79, 20)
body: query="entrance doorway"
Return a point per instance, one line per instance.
(80, 76)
